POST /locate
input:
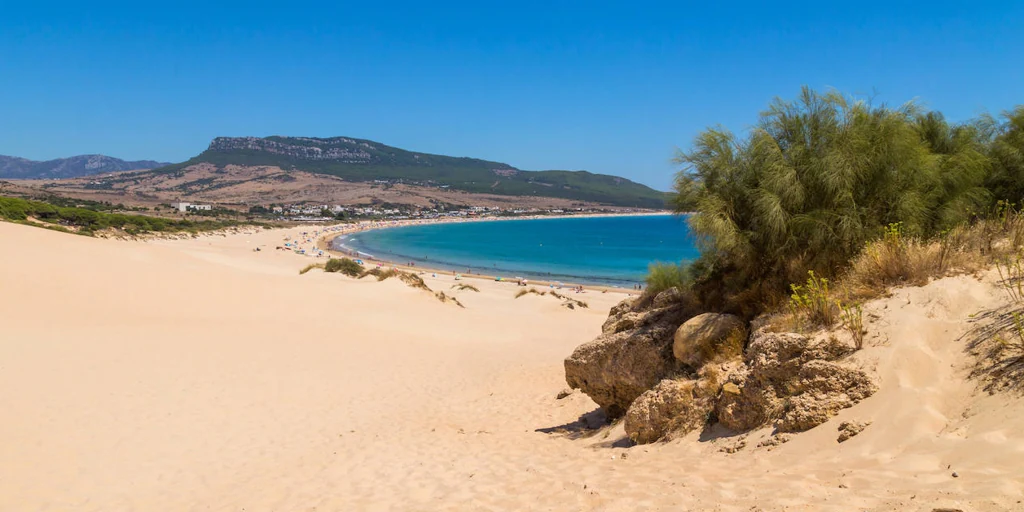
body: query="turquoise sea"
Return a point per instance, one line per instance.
(586, 250)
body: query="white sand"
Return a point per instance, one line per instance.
(200, 375)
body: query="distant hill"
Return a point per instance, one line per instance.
(12, 167)
(363, 160)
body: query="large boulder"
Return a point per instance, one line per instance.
(793, 380)
(632, 356)
(709, 337)
(674, 406)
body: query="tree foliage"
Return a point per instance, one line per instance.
(818, 177)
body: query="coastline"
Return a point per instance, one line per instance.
(205, 372)
(325, 243)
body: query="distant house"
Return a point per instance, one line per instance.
(185, 207)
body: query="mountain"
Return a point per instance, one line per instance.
(360, 160)
(83, 165)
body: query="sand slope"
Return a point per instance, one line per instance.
(199, 375)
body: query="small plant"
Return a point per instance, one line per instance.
(379, 273)
(662, 276)
(1011, 276)
(531, 290)
(309, 267)
(461, 287)
(441, 296)
(853, 319)
(812, 301)
(346, 266)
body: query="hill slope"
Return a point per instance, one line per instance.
(83, 165)
(364, 160)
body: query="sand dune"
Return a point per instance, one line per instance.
(200, 375)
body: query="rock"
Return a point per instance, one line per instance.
(955, 475)
(673, 406)
(669, 298)
(794, 379)
(564, 393)
(622, 363)
(775, 440)
(734, 447)
(822, 389)
(709, 337)
(848, 429)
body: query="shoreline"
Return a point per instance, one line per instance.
(324, 243)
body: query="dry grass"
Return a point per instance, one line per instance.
(529, 291)
(461, 287)
(997, 344)
(897, 260)
(1011, 276)
(311, 266)
(441, 296)
(408, 278)
(900, 260)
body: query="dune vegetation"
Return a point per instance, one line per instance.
(88, 221)
(828, 188)
(825, 205)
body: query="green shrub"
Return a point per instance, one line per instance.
(662, 276)
(814, 181)
(89, 220)
(346, 266)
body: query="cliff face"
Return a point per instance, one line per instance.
(73, 167)
(358, 160)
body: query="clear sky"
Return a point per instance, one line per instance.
(607, 87)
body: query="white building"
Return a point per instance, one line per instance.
(185, 207)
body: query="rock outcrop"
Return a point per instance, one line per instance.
(793, 380)
(709, 337)
(633, 354)
(672, 406)
(848, 429)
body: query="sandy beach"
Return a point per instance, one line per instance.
(200, 374)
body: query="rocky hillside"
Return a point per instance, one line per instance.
(359, 160)
(12, 167)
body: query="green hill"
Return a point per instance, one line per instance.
(364, 160)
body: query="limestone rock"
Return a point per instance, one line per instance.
(627, 360)
(673, 406)
(793, 379)
(848, 429)
(708, 337)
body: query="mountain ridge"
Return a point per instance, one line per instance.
(13, 167)
(362, 160)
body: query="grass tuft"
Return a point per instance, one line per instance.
(309, 267)
(529, 291)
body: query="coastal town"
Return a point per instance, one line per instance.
(330, 213)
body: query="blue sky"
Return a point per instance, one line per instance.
(607, 87)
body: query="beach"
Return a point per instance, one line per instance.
(201, 374)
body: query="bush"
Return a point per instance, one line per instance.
(346, 266)
(817, 179)
(89, 220)
(662, 276)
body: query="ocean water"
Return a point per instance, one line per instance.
(586, 250)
